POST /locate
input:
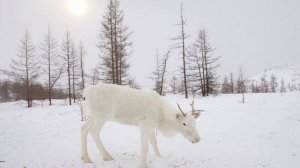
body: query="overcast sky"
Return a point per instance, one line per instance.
(254, 34)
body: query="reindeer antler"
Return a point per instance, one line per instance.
(193, 109)
(184, 114)
(195, 113)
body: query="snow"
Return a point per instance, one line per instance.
(263, 132)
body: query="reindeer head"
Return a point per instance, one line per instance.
(187, 124)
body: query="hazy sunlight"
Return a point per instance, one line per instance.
(77, 7)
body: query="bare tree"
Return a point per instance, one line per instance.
(74, 70)
(5, 87)
(181, 44)
(292, 87)
(67, 48)
(82, 53)
(94, 77)
(174, 84)
(209, 63)
(213, 84)
(106, 46)
(124, 53)
(195, 69)
(226, 87)
(160, 73)
(264, 83)
(254, 87)
(114, 45)
(25, 67)
(203, 64)
(51, 61)
(273, 83)
(157, 74)
(241, 84)
(282, 86)
(163, 72)
(231, 83)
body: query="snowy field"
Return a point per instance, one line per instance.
(263, 132)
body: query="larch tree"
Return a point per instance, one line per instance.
(282, 86)
(182, 45)
(209, 63)
(159, 75)
(82, 53)
(67, 49)
(264, 83)
(195, 69)
(51, 62)
(273, 83)
(163, 72)
(231, 83)
(74, 66)
(114, 45)
(94, 75)
(203, 65)
(226, 86)
(25, 66)
(241, 84)
(124, 52)
(174, 84)
(156, 74)
(5, 87)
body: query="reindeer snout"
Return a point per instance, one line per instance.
(195, 139)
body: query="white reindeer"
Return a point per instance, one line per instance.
(144, 109)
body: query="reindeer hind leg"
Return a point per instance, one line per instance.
(84, 133)
(95, 134)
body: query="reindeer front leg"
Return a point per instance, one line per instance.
(145, 137)
(153, 142)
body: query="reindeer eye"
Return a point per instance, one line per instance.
(184, 124)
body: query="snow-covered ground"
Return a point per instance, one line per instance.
(263, 132)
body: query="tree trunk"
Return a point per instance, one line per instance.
(82, 53)
(203, 73)
(199, 71)
(27, 72)
(69, 78)
(183, 54)
(49, 74)
(116, 45)
(112, 50)
(73, 81)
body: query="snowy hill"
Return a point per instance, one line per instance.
(263, 132)
(290, 74)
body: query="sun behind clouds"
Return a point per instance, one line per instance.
(77, 7)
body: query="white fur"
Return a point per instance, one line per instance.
(144, 109)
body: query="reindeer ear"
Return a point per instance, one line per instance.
(196, 114)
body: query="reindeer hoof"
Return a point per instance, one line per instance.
(107, 158)
(86, 159)
(144, 166)
(158, 155)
